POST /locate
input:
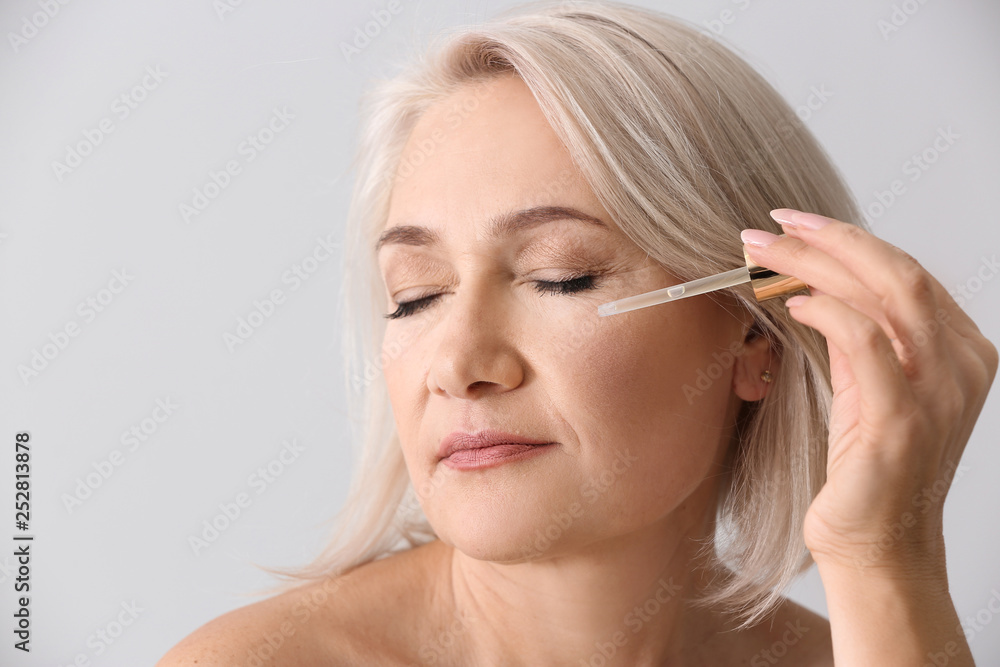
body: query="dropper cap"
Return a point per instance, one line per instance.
(767, 284)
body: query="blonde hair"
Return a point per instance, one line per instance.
(684, 144)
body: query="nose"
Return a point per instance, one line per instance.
(476, 347)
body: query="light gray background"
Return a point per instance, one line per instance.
(887, 97)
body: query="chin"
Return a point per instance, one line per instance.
(511, 536)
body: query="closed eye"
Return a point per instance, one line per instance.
(571, 286)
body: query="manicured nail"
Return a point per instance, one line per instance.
(758, 237)
(796, 300)
(784, 216)
(794, 218)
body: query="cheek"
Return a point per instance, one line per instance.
(635, 375)
(401, 357)
(400, 363)
(624, 388)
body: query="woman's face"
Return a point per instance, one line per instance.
(496, 345)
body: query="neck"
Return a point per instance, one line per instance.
(623, 596)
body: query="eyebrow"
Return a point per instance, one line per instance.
(501, 226)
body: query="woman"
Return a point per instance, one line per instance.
(554, 488)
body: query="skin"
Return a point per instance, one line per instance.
(528, 570)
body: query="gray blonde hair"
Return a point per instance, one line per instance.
(684, 144)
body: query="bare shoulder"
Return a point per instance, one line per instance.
(336, 621)
(794, 631)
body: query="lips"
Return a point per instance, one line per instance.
(459, 441)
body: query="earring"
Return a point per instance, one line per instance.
(766, 376)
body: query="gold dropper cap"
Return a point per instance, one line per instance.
(767, 284)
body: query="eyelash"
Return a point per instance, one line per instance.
(571, 286)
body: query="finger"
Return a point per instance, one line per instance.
(882, 384)
(792, 256)
(874, 277)
(881, 266)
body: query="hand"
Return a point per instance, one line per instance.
(910, 373)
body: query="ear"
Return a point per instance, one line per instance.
(756, 358)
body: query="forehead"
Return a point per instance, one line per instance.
(485, 148)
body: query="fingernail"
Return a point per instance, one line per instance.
(795, 218)
(796, 300)
(758, 237)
